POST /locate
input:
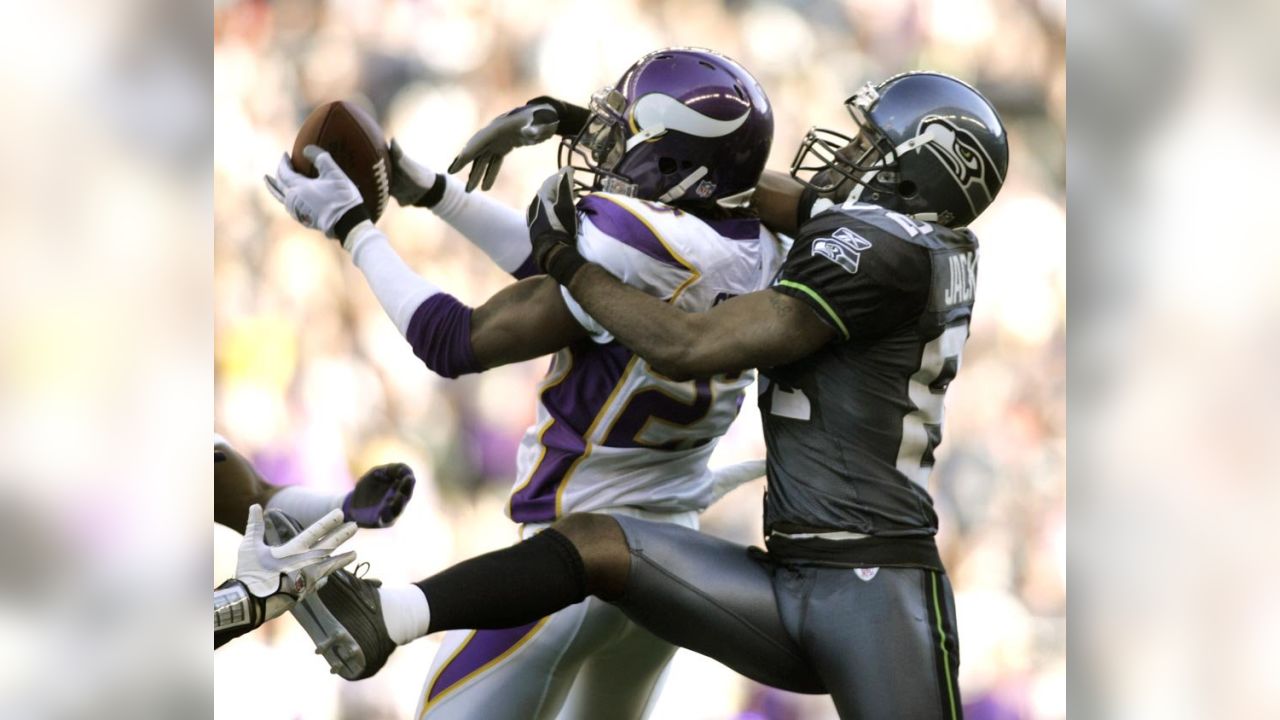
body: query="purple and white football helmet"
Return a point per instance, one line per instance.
(682, 126)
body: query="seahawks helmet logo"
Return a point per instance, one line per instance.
(963, 157)
(843, 248)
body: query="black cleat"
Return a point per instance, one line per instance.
(343, 618)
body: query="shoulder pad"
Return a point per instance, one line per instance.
(623, 220)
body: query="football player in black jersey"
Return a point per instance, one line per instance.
(857, 341)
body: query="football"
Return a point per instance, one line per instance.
(355, 141)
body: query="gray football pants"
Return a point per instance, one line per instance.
(883, 647)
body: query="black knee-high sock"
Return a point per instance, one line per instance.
(509, 587)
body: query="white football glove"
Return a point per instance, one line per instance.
(284, 574)
(526, 125)
(317, 202)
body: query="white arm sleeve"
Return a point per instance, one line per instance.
(398, 288)
(496, 229)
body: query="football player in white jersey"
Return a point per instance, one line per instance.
(669, 151)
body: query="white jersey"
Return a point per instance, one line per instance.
(611, 432)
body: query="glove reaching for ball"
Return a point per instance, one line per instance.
(553, 228)
(329, 202)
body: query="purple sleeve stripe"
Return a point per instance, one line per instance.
(527, 269)
(620, 223)
(440, 333)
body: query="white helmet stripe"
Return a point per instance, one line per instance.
(659, 110)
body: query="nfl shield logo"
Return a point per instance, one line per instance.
(865, 574)
(704, 189)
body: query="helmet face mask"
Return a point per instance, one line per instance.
(837, 164)
(834, 162)
(595, 151)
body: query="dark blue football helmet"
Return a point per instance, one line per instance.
(928, 145)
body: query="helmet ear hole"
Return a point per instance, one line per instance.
(907, 189)
(667, 165)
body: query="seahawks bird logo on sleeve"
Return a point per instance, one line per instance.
(843, 248)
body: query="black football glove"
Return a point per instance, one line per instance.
(379, 496)
(553, 228)
(529, 124)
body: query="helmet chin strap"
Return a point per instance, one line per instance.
(684, 185)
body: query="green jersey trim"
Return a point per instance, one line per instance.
(818, 299)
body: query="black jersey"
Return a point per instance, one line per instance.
(851, 429)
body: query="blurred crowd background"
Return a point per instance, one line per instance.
(313, 383)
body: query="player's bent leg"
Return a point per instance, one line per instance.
(711, 596)
(622, 679)
(884, 641)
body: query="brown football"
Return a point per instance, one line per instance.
(355, 141)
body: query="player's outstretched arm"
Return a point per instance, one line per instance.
(525, 321)
(496, 229)
(378, 499)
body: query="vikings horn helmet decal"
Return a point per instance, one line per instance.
(682, 125)
(660, 112)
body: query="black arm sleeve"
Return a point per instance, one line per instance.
(572, 117)
(862, 281)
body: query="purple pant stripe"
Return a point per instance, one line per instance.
(480, 649)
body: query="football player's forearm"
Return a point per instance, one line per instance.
(499, 231)
(400, 290)
(665, 336)
(776, 199)
(524, 320)
(434, 322)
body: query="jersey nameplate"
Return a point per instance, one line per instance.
(954, 278)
